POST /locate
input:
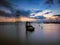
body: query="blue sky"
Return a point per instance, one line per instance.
(23, 4)
(35, 4)
(28, 6)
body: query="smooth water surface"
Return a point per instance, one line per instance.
(43, 32)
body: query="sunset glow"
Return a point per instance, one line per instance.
(13, 19)
(26, 19)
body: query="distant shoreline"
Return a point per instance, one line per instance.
(3, 23)
(52, 22)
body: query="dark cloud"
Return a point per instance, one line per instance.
(40, 17)
(49, 2)
(38, 11)
(48, 12)
(5, 3)
(59, 1)
(24, 13)
(2, 13)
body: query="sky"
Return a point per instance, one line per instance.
(27, 7)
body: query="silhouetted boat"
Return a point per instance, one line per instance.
(29, 27)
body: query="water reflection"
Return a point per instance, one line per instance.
(43, 32)
(51, 32)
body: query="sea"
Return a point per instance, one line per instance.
(44, 33)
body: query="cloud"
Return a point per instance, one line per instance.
(25, 13)
(8, 13)
(42, 13)
(5, 3)
(5, 10)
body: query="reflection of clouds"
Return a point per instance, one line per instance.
(51, 30)
(50, 27)
(48, 33)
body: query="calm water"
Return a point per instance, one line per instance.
(43, 32)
